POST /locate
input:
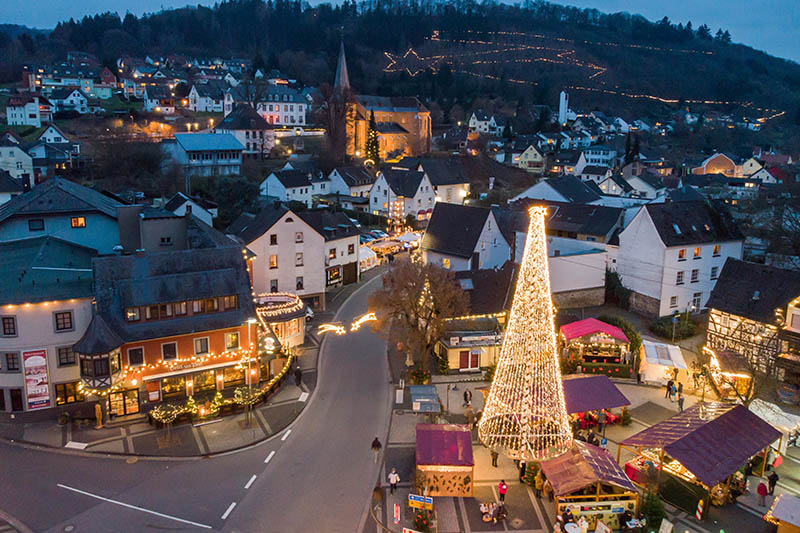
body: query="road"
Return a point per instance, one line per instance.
(315, 476)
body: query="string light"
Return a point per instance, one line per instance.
(360, 321)
(336, 328)
(525, 415)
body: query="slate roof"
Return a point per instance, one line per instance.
(595, 170)
(389, 128)
(444, 171)
(44, 269)
(59, 195)
(292, 178)
(182, 275)
(621, 182)
(454, 229)
(492, 290)
(179, 199)
(687, 193)
(573, 189)
(696, 223)
(652, 180)
(158, 92)
(62, 93)
(753, 290)
(249, 227)
(98, 338)
(583, 218)
(9, 183)
(330, 225)
(244, 117)
(355, 175)
(566, 157)
(403, 182)
(407, 104)
(212, 89)
(194, 142)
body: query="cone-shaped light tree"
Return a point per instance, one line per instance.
(525, 416)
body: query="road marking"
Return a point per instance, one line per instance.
(135, 507)
(269, 457)
(303, 397)
(286, 435)
(228, 510)
(252, 479)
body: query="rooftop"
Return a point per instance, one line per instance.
(684, 223)
(196, 142)
(59, 195)
(454, 229)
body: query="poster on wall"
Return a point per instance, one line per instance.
(37, 389)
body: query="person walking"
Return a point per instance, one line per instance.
(548, 490)
(680, 387)
(470, 414)
(772, 479)
(680, 401)
(502, 488)
(298, 376)
(394, 479)
(601, 422)
(762, 493)
(495, 455)
(467, 397)
(538, 484)
(670, 383)
(376, 448)
(522, 467)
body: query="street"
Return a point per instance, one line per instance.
(317, 472)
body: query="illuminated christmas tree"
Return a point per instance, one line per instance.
(372, 148)
(525, 416)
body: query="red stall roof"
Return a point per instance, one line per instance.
(444, 444)
(582, 466)
(711, 440)
(590, 393)
(582, 328)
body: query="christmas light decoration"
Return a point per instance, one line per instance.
(372, 147)
(525, 415)
(360, 321)
(336, 328)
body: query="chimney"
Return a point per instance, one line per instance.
(128, 218)
(188, 210)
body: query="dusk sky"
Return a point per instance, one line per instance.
(768, 25)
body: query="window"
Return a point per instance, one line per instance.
(298, 259)
(63, 321)
(298, 237)
(697, 252)
(695, 275)
(273, 261)
(165, 310)
(211, 305)
(679, 278)
(332, 253)
(136, 356)
(714, 271)
(198, 306)
(201, 346)
(682, 254)
(68, 393)
(273, 239)
(696, 301)
(446, 263)
(12, 362)
(299, 283)
(673, 301)
(231, 341)
(351, 249)
(716, 250)
(179, 308)
(169, 351)
(66, 357)
(166, 241)
(78, 222)
(132, 314)
(9, 326)
(273, 285)
(230, 302)
(36, 224)
(795, 322)
(151, 312)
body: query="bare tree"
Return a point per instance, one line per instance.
(336, 110)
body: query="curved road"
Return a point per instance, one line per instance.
(315, 477)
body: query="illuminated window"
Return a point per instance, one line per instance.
(697, 252)
(716, 250)
(445, 262)
(78, 222)
(132, 314)
(231, 341)
(332, 253)
(273, 261)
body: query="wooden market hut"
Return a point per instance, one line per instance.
(701, 449)
(445, 466)
(731, 374)
(587, 481)
(595, 341)
(587, 393)
(785, 513)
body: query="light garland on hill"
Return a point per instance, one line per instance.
(525, 414)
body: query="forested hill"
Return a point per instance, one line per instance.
(454, 50)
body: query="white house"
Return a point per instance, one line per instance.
(460, 237)
(480, 122)
(577, 272)
(279, 104)
(595, 173)
(53, 135)
(647, 185)
(600, 155)
(207, 97)
(250, 129)
(615, 185)
(764, 175)
(562, 189)
(288, 186)
(356, 180)
(399, 193)
(532, 160)
(69, 99)
(205, 154)
(448, 177)
(670, 255)
(15, 161)
(28, 110)
(180, 204)
(159, 99)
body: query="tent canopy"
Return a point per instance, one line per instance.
(711, 440)
(591, 392)
(582, 466)
(786, 508)
(589, 326)
(657, 353)
(444, 445)
(775, 416)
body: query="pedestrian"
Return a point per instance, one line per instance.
(376, 448)
(548, 489)
(680, 387)
(772, 479)
(601, 422)
(522, 467)
(470, 414)
(393, 478)
(762, 493)
(495, 455)
(467, 397)
(583, 524)
(770, 459)
(567, 516)
(748, 471)
(670, 383)
(502, 488)
(298, 375)
(680, 402)
(538, 484)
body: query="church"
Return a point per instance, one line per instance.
(403, 123)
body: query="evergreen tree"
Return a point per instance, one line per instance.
(372, 148)
(507, 130)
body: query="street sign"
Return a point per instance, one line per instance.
(420, 502)
(397, 513)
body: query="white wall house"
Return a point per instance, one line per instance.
(15, 161)
(288, 186)
(532, 160)
(205, 154)
(355, 179)
(28, 110)
(69, 100)
(207, 97)
(670, 256)
(398, 193)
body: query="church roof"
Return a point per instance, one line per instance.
(342, 78)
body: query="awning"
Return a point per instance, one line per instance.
(590, 326)
(590, 393)
(785, 508)
(444, 445)
(711, 440)
(582, 466)
(775, 416)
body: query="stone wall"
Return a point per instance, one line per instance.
(591, 297)
(644, 305)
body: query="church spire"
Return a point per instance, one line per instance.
(342, 79)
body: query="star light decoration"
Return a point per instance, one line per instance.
(411, 62)
(525, 414)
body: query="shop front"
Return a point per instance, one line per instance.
(282, 315)
(469, 345)
(595, 342)
(201, 382)
(731, 374)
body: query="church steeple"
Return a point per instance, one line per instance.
(342, 79)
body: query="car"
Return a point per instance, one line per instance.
(378, 234)
(365, 238)
(309, 314)
(355, 222)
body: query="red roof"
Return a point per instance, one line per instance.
(444, 444)
(582, 328)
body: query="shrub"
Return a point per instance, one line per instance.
(422, 521)
(625, 417)
(615, 291)
(443, 364)
(418, 376)
(627, 328)
(653, 508)
(684, 328)
(570, 363)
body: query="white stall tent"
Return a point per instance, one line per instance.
(658, 359)
(367, 258)
(786, 423)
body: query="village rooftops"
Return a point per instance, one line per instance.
(208, 142)
(575, 190)
(248, 227)
(403, 182)
(291, 179)
(330, 225)
(583, 218)
(9, 184)
(243, 117)
(454, 229)
(685, 223)
(59, 195)
(355, 175)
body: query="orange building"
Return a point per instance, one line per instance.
(719, 163)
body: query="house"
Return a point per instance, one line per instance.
(670, 255)
(156, 311)
(208, 97)
(448, 176)
(205, 154)
(28, 110)
(9, 187)
(250, 129)
(570, 162)
(400, 193)
(16, 161)
(577, 272)
(595, 173)
(592, 223)
(299, 254)
(751, 166)
(354, 179)
(531, 159)
(616, 185)
(469, 345)
(45, 307)
(288, 186)
(718, 163)
(181, 205)
(480, 122)
(600, 155)
(279, 105)
(646, 185)
(65, 210)
(461, 237)
(69, 99)
(566, 189)
(53, 151)
(754, 311)
(764, 176)
(159, 99)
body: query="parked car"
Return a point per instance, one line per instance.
(309, 314)
(365, 238)
(355, 222)
(378, 234)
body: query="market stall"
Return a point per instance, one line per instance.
(587, 395)
(385, 247)
(445, 466)
(587, 481)
(701, 449)
(425, 399)
(731, 374)
(660, 362)
(410, 239)
(367, 258)
(595, 342)
(787, 423)
(785, 513)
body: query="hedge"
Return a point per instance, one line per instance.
(610, 369)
